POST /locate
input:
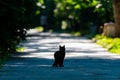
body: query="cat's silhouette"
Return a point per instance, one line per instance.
(59, 57)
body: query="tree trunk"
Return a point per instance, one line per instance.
(116, 7)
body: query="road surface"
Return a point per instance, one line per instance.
(84, 60)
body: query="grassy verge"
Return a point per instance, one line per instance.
(76, 33)
(112, 44)
(20, 49)
(39, 28)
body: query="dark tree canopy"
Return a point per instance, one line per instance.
(15, 16)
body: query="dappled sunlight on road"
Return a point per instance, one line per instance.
(43, 45)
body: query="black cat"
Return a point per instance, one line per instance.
(59, 57)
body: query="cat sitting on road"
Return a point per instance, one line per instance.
(59, 57)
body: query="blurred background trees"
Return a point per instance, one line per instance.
(72, 15)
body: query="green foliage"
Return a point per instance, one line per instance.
(112, 44)
(115, 48)
(80, 13)
(15, 16)
(70, 11)
(39, 28)
(20, 49)
(105, 10)
(76, 33)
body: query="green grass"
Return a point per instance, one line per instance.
(112, 44)
(20, 49)
(76, 33)
(39, 28)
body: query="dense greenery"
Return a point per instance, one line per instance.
(15, 17)
(81, 15)
(112, 44)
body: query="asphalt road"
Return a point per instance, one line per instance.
(84, 60)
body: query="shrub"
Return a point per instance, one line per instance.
(112, 44)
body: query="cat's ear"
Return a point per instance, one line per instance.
(59, 46)
(63, 45)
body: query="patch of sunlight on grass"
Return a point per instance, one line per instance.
(39, 28)
(20, 49)
(117, 51)
(112, 44)
(76, 33)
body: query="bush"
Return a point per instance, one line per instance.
(115, 48)
(112, 44)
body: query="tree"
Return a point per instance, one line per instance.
(116, 7)
(74, 14)
(49, 12)
(14, 17)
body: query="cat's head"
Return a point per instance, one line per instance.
(62, 48)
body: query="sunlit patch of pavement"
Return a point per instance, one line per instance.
(84, 59)
(47, 43)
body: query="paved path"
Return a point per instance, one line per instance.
(84, 60)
